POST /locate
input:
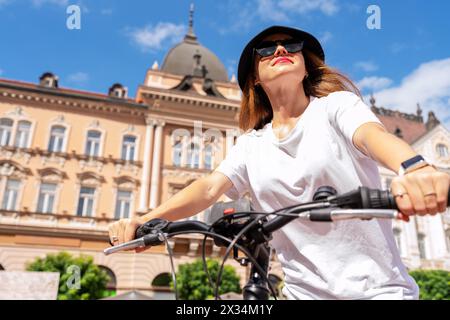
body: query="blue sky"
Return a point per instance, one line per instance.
(405, 62)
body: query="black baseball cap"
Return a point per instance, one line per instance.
(246, 59)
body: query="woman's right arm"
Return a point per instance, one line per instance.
(196, 197)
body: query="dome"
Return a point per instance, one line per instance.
(191, 58)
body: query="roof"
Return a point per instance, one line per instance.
(410, 130)
(409, 127)
(191, 58)
(71, 93)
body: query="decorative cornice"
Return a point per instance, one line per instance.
(105, 104)
(185, 99)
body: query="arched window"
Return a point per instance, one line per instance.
(442, 150)
(129, 148)
(57, 138)
(22, 134)
(86, 200)
(422, 247)
(208, 156)
(5, 131)
(124, 200)
(193, 155)
(47, 196)
(176, 156)
(112, 282)
(162, 280)
(93, 143)
(89, 183)
(10, 195)
(398, 239)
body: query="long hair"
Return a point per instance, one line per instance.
(256, 110)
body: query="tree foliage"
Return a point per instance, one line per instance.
(79, 277)
(193, 284)
(433, 284)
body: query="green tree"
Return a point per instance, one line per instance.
(193, 284)
(433, 284)
(93, 280)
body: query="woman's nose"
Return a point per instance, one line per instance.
(280, 50)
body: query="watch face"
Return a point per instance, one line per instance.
(412, 161)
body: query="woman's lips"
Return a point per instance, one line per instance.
(282, 59)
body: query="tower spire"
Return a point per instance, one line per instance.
(190, 36)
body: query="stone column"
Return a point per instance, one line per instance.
(145, 179)
(156, 165)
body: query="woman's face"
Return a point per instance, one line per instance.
(281, 66)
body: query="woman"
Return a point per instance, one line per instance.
(305, 127)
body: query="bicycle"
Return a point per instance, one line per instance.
(250, 232)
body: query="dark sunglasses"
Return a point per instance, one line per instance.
(268, 48)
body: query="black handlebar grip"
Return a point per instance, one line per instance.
(152, 226)
(381, 199)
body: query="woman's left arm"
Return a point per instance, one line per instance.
(422, 191)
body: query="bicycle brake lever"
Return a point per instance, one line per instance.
(147, 240)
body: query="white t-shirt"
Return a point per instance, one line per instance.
(350, 259)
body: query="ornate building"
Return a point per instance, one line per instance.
(424, 242)
(72, 161)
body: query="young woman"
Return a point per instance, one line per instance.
(306, 126)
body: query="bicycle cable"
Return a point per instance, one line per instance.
(244, 250)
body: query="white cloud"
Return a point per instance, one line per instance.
(374, 83)
(106, 12)
(267, 10)
(244, 14)
(79, 78)
(428, 85)
(39, 3)
(152, 38)
(366, 66)
(328, 7)
(325, 37)
(3, 3)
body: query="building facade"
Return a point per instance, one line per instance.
(71, 162)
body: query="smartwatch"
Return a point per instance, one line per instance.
(412, 164)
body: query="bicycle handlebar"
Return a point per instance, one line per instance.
(326, 206)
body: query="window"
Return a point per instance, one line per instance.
(47, 194)
(93, 143)
(5, 131)
(193, 155)
(421, 243)
(112, 282)
(447, 236)
(86, 202)
(176, 156)
(398, 239)
(57, 137)
(208, 157)
(442, 150)
(123, 204)
(9, 201)
(128, 148)
(22, 134)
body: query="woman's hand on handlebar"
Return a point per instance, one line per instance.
(423, 191)
(124, 230)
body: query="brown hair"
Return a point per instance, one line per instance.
(322, 80)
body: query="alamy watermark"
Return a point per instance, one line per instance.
(74, 281)
(374, 20)
(73, 21)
